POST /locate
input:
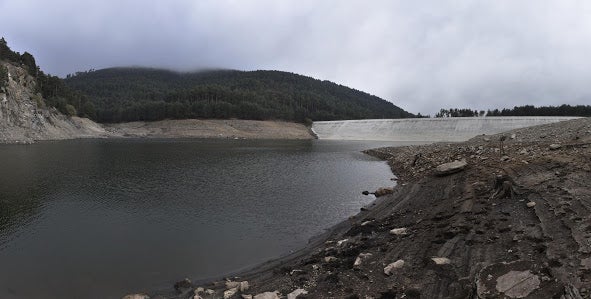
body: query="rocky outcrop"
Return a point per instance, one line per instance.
(24, 117)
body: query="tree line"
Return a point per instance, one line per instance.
(462, 112)
(527, 110)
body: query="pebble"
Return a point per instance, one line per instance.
(531, 204)
(441, 260)
(330, 259)
(399, 231)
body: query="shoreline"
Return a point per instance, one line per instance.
(167, 129)
(458, 235)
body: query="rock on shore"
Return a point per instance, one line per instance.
(473, 233)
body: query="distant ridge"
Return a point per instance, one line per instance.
(146, 94)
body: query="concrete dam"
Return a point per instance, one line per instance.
(425, 129)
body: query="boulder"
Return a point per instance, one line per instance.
(267, 295)
(360, 259)
(554, 147)
(395, 265)
(517, 284)
(244, 286)
(517, 279)
(450, 168)
(239, 285)
(229, 293)
(383, 191)
(330, 259)
(232, 284)
(296, 293)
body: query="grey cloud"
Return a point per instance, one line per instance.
(421, 55)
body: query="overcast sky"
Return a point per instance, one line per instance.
(420, 55)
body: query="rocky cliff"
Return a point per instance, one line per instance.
(24, 117)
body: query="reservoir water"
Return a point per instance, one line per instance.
(103, 218)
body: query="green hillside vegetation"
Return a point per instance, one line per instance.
(527, 110)
(143, 94)
(52, 88)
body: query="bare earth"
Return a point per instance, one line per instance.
(212, 128)
(512, 225)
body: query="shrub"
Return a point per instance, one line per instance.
(71, 111)
(3, 76)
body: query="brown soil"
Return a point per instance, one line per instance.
(482, 220)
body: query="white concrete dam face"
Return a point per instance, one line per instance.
(425, 129)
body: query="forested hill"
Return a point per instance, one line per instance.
(132, 94)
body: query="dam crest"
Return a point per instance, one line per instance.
(425, 129)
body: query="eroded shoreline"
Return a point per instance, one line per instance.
(519, 208)
(82, 128)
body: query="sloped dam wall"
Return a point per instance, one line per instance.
(425, 129)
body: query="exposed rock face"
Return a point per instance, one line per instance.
(25, 119)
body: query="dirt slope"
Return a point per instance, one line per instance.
(509, 225)
(212, 128)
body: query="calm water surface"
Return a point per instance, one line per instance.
(102, 218)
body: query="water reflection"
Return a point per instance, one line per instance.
(99, 218)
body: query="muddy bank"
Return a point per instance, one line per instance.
(513, 222)
(211, 128)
